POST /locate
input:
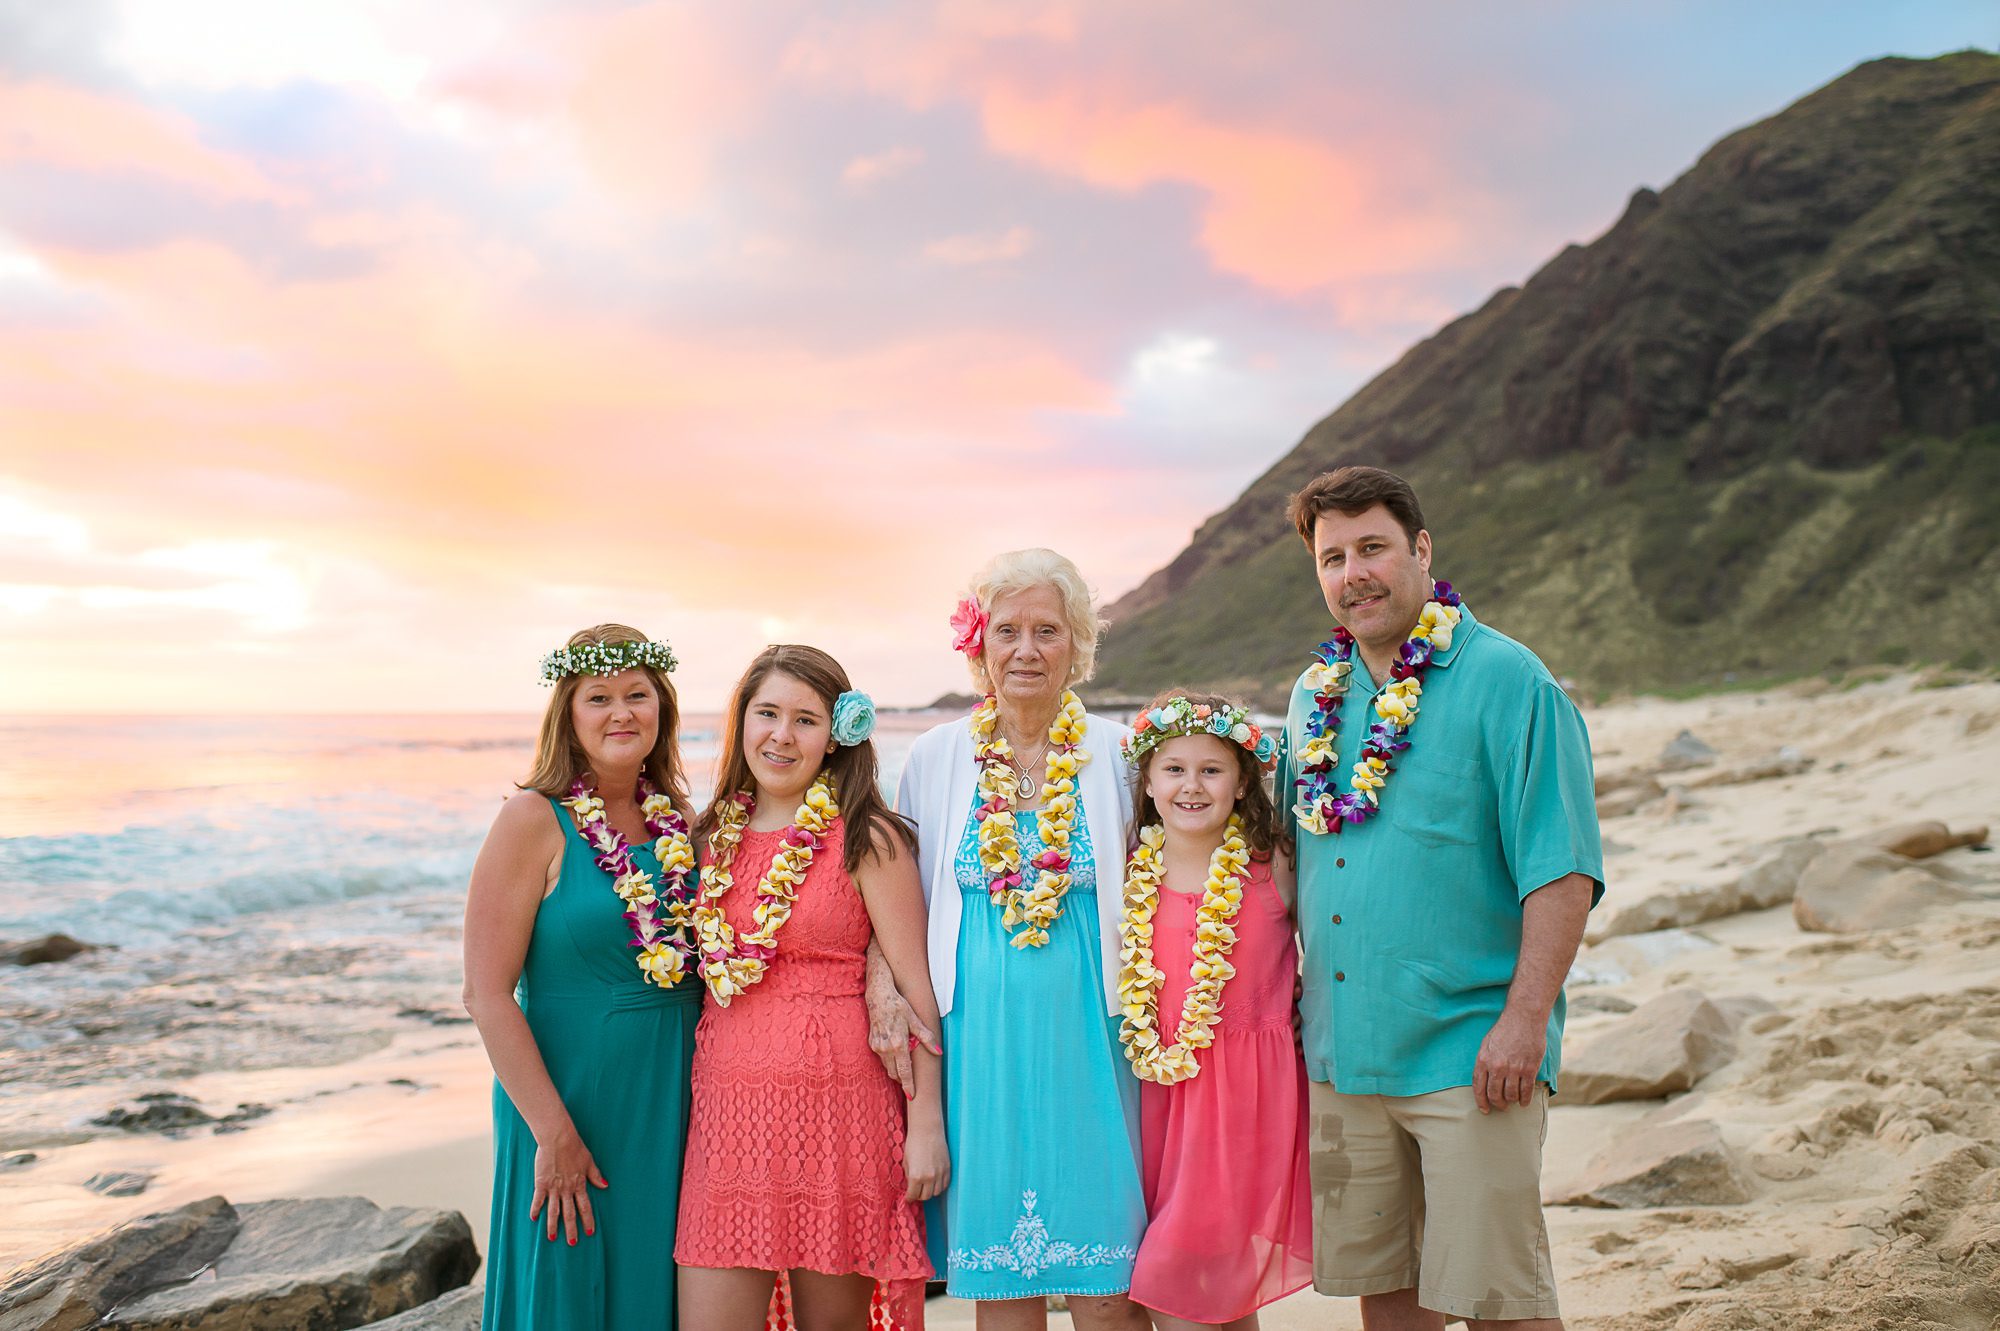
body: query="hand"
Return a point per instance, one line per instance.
(926, 1161)
(1509, 1058)
(561, 1169)
(894, 1030)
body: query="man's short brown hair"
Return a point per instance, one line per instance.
(1352, 490)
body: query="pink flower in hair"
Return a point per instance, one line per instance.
(968, 627)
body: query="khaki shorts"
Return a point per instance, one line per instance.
(1424, 1192)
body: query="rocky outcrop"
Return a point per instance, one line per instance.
(1662, 1046)
(1673, 1164)
(1853, 888)
(1770, 882)
(316, 1265)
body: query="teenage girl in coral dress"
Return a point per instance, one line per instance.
(804, 1158)
(1207, 989)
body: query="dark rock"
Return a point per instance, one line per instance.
(17, 1160)
(241, 1117)
(123, 1183)
(1590, 1000)
(77, 1287)
(435, 1017)
(166, 1112)
(457, 1311)
(330, 1263)
(39, 951)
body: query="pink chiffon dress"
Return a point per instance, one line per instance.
(1228, 1197)
(795, 1151)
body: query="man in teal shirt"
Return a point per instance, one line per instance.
(1438, 782)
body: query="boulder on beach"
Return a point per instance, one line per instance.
(457, 1311)
(1683, 751)
(1662, 1046)
(1774, 880)
(325, 1263)
(1853, 888)
(1673, 1164)
(40, 951)
(78, 1286)
(1923, 839)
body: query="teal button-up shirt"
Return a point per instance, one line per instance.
(1411, 921)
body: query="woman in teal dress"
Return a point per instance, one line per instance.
(1041, 1116)
(576, 974)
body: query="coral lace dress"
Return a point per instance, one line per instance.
(1225, 1152)
(795, 1153)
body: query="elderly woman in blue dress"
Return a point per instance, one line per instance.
(1022, 814)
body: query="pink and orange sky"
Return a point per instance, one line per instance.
(352, 352)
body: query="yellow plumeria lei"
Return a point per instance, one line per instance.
(1320, 808)
(659, 935)
(729, 964)
(1031, 909)
(1139, 979)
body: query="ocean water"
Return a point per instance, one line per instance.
(269, 891)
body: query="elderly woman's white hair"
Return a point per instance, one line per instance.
(1023, 570)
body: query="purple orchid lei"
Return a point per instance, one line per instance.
(658, 915)
(1320, 808)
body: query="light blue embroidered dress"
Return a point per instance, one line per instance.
(1040, 1113)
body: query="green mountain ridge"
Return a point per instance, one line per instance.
(1753, 430)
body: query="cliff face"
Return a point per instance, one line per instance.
(1754, 428)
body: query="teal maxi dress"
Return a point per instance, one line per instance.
(618, 1050)
(1041, 1113)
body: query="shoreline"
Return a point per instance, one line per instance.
(1830, 1108)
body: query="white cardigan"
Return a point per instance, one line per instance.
(936, 791)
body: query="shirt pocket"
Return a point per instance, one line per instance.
(1437, 799)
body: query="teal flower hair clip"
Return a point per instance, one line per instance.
(853, 717)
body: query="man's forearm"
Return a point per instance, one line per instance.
(1552, 920)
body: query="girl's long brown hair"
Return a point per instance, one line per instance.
(1259, 814)
(871, 825)
(559, 756)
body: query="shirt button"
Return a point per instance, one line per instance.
(1340, 863)
(1336, 919)
(1340, 975)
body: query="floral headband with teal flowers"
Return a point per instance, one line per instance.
(1178, 716)
(605, 658)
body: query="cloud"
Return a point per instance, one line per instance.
(874, 168)
(986, 247)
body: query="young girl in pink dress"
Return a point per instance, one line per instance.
(804, 1160)
(1209, 961)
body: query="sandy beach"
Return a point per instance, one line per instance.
(1858, 1106)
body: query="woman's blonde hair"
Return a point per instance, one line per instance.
(1024, 570)
(559, 756)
